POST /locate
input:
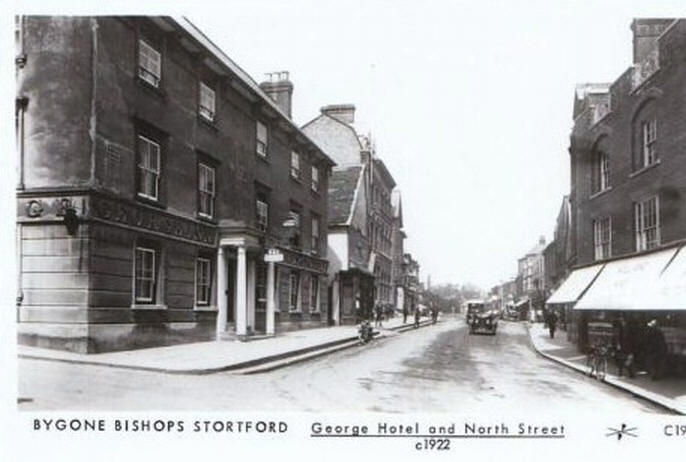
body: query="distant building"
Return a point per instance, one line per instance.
(531, 271)
(398, 237)
(154, 177)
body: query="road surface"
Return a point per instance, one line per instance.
(435, 369)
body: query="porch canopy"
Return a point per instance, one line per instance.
(575, 284)
(638, 283)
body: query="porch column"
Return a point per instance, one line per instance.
(336, 301)
(251, 294)
(241, 295)
(222, 302)
(271, 302)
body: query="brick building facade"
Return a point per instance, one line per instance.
(628, 193)
(154, 176)
(628, 170)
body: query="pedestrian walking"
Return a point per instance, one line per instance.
(552, 323)
(416, 316)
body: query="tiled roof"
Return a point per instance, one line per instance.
(342, 187)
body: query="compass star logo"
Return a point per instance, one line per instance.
(622, 431)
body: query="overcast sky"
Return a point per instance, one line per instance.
(470, 102)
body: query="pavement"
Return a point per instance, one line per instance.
(245, 357)
(669, 392)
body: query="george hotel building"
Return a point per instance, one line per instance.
(163, 196)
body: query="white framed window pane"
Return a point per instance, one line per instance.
(149, 63)
(295, 164)
(203, 281)
(262, 139)
(144, 274)
(207, 102)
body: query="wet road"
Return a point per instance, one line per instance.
(435, 369)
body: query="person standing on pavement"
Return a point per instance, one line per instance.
(625, 350)
(379, 315)
(552, 323)
(404, 314)
(416, 316)
(656, 347)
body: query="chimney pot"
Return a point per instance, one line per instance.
(280, 89)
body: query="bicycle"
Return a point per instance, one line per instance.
(597, 361)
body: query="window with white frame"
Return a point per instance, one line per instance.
(315, 179)
(294, 295)
(206, 190)
(145, 274)
(148, 167)
(314, 293)
(203, 281)
(262, 212)
(149, 63)
(206, 102)
(315, 235)
(295, 165)
(602, 171)
(262, 136)
(647, 223)
(649, 135)
(602, 237)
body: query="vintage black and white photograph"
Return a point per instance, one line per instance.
(470, 211)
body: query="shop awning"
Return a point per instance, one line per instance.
(670, 293)
(628, 284)
(575, 284)
(522, 302)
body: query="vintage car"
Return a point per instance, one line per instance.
(481, 318)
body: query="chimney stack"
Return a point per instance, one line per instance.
(343, 112)
(646, 31)
(280, 89)
(541, 240)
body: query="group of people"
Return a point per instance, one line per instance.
(648, 342)
(632, 339)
